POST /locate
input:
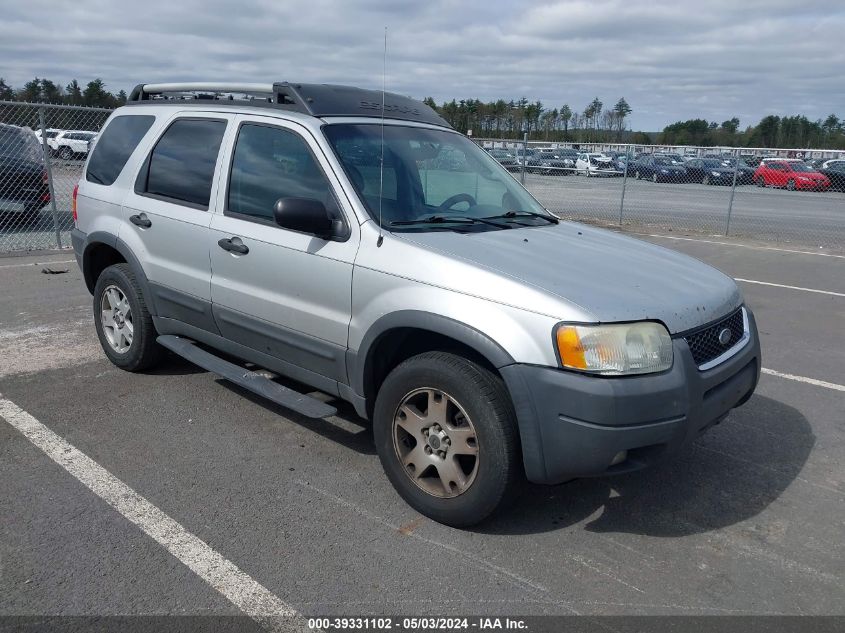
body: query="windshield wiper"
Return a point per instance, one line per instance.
(447, 219)
(524, 214)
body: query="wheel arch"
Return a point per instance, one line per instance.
(400, 335)
(102, 250)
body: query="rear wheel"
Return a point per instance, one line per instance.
(761, 182)
(65, 153)
(446, 436)
(790, 185)
(123, 322)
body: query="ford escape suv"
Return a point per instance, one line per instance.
(363, 248)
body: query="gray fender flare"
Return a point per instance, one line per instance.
(101, 237)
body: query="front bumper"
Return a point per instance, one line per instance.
(574, 425)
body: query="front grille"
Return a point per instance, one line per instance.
(704, 344)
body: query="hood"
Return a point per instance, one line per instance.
(610, 276)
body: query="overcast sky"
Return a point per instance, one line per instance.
(671, 60)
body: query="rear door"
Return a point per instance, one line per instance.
(289, 296)
(167, 213)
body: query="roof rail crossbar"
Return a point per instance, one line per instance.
(281, 94)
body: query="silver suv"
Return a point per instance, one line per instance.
(365, 249)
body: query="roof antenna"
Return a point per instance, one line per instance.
(381, 164)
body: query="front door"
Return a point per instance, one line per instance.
(286, 294)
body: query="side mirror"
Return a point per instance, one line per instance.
(305, 215)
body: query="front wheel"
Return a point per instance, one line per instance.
(65, 153)
(761, 182)
(637, 175)
(123, 322)
(446, 436)
(654, 178)
(790, 185)
(705, 180)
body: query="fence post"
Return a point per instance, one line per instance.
(46, 149)
(624, 181)
(524, 158)
(733, 191)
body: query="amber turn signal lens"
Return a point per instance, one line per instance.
(569, 347)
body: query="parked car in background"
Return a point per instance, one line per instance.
(23, 179)
(676, 159)
(790, 174)
(830, 162)
(659, 169)
(592, 164)
(51, 134)
(505, 158)
(835, 173)
(69, 144)
(709, 171)
(745, 172)
(551, 163)
(524, 156)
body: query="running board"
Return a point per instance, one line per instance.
(249, 380)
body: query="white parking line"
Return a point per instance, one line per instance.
(62, 261)
(235, 585)
(768, 283)
(759, 248)
(804, 379)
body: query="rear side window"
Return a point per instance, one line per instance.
(115, 146)
(181, 166)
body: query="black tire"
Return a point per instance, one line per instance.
(705, 180)
(484, 398)
(637, 175)
(761, 182)
(654, 177)
(144, 352)
(790, 185)
(65, 153)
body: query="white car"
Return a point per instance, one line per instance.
(69, 143)
(590, 164)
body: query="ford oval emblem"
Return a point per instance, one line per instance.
(725, 336)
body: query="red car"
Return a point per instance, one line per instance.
(790, 174)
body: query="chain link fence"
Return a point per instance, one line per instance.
(42, 151)
(782, 195)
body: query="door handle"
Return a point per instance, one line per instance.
(233, 245)
(141, 220)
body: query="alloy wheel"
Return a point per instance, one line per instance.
(435, 442)
(116, 318)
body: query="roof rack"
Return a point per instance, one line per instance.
(317, 100)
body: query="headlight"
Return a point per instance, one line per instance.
(715, 173)
(615, 349)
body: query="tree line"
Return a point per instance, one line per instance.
(515, 118)
(772, 131)
(598, 124)
(39, 90)
(512, 119)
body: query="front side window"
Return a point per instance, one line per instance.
(428, 173)
(115, 146)
(181, 166)
(272, 163)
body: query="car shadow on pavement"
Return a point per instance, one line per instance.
(726, 476)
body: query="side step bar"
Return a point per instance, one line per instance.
(249, 380)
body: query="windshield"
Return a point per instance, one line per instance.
(427, 173)
(664, 161)
(803, 167)
(712, 163)
(19, 143)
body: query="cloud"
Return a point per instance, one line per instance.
(671, 60)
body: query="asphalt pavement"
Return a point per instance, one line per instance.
(749, 520)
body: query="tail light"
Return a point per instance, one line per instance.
(73, 203)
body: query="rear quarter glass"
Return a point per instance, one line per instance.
(115, 145)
